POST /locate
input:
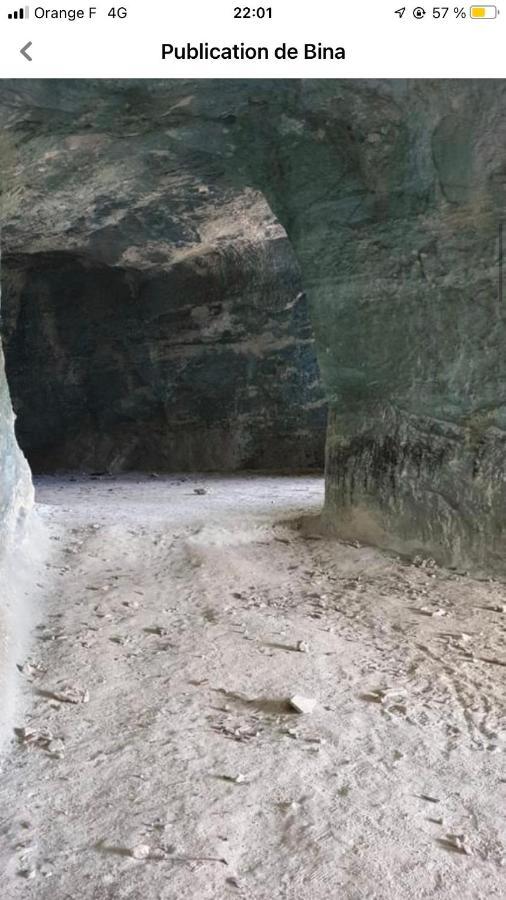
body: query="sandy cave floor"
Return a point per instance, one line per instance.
(180, 614)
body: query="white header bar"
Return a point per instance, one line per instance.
(282, 38)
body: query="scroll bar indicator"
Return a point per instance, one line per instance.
(484, 12)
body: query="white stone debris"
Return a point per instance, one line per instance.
(31, 669)
(303, 704)
(140, 851)
(43, 739)
(458, 842)
(70, 693)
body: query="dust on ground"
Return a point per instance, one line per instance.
(156, 755)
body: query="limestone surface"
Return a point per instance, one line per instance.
(16, 493)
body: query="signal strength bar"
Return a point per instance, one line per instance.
(21, 13)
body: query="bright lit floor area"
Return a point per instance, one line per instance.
(157, 755)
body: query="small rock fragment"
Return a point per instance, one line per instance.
(141, 851)
(422, 563)
(70, 693)
(385, 696)
(46, 871)
(199, 491)
(302, 704)
(31, 669)
(28, 872)
(458, 842)
(291, 732)
(35, 738)
(56, 748)
(302, 647)
(237, 779)
(159, 630)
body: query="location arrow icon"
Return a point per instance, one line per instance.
(24, 53)
(400, 12)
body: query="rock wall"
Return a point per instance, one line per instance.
(154, 316)
(17, 550)
(15, 483)
(17, 553)
(392, 196)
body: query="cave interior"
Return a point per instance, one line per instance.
(254, 379)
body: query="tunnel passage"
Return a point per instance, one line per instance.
(390, 193)
(205, 364)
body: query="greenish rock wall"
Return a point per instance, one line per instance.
(392, 194)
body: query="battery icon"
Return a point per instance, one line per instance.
(483, 12)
